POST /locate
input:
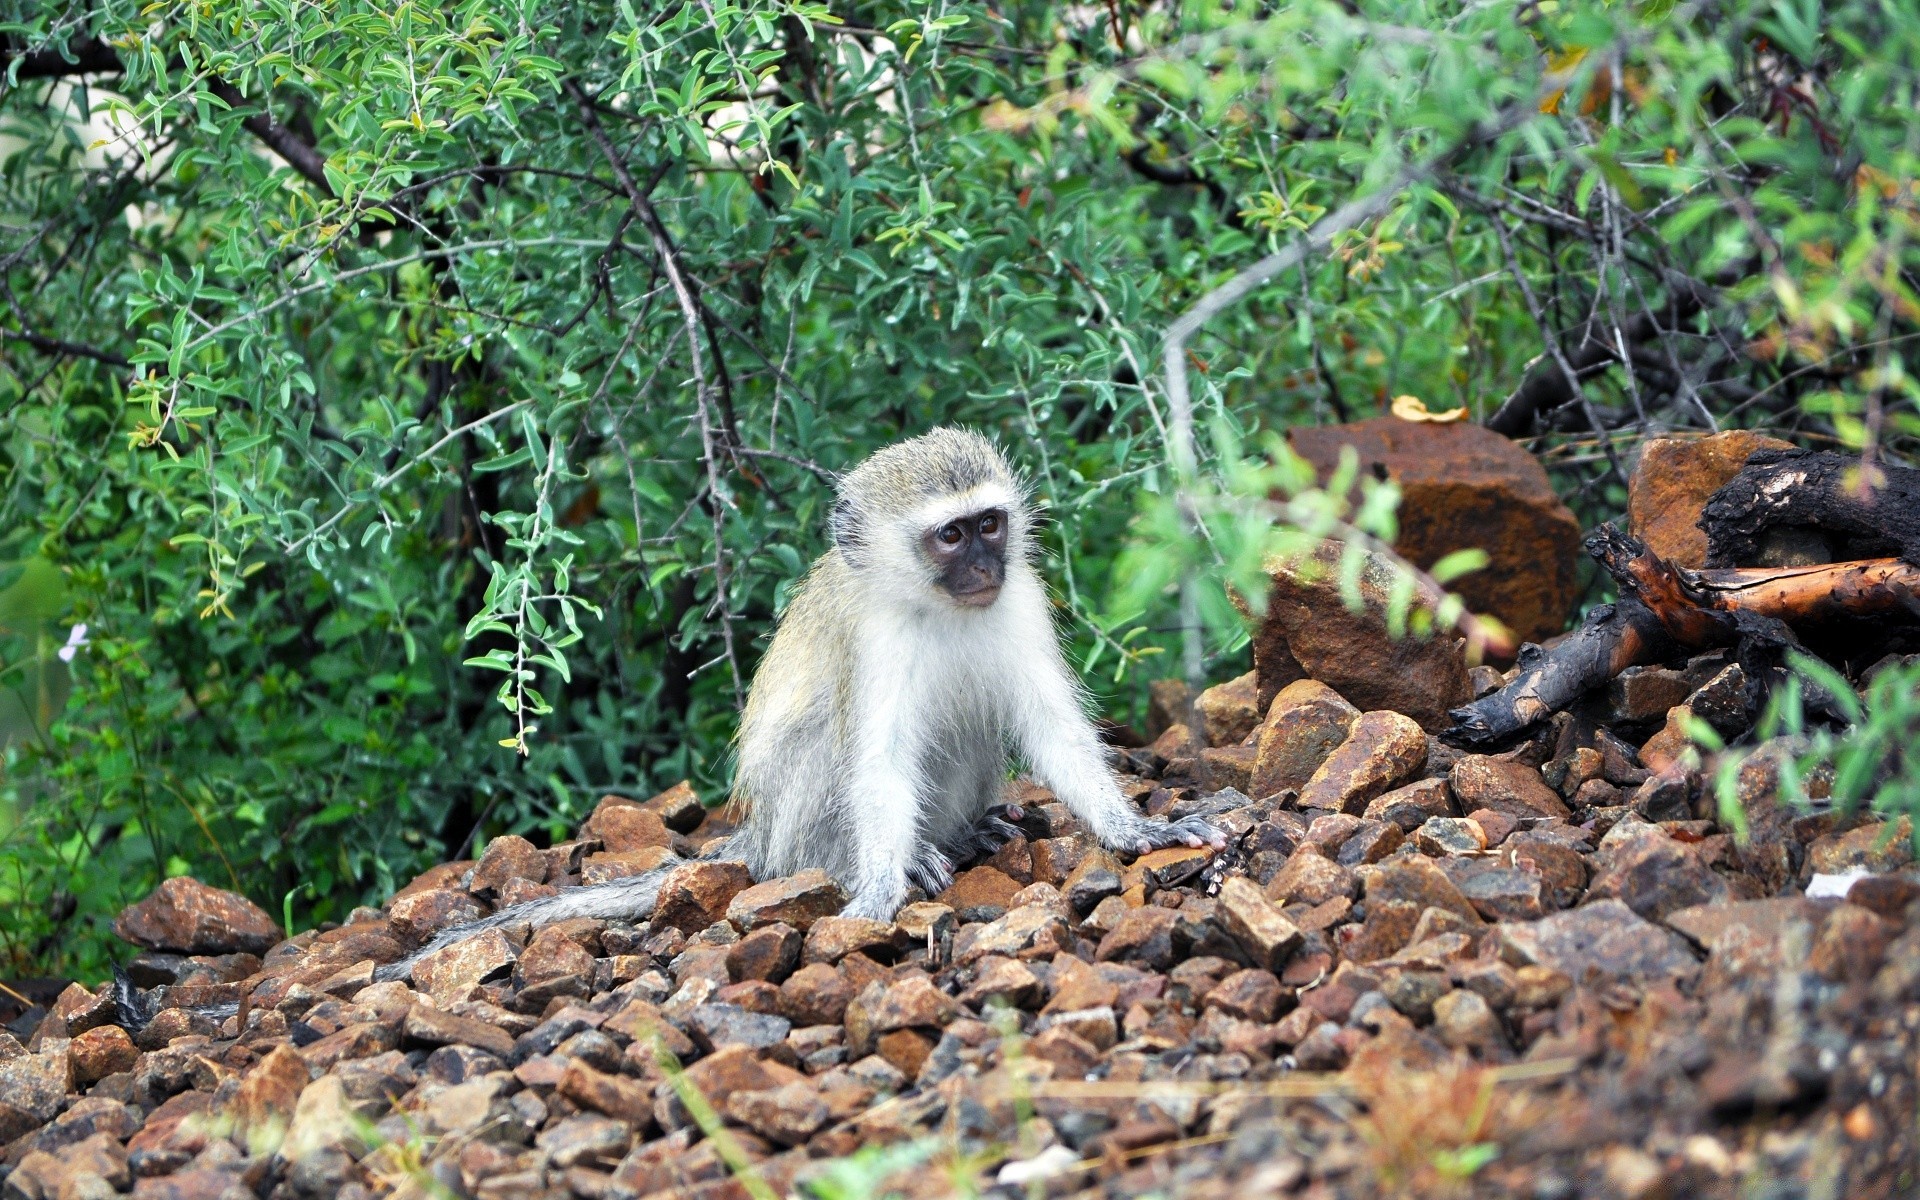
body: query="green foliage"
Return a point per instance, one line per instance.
(427, 408)
(1869, 758)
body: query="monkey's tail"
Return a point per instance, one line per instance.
(628, 899)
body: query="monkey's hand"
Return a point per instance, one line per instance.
(1147, 834)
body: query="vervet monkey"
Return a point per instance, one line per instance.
(917, 653)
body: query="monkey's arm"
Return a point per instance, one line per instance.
(883, 792)
(1053, 734)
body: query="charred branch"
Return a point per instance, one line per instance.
(1806, 501)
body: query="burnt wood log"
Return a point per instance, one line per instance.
(1788, 498)
(1664, 610)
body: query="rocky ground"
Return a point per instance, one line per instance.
(1544, 972)
(1538, 973)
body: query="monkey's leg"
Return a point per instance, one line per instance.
(931, 870)
(994, 829)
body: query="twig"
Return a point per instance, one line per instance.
(690, 314)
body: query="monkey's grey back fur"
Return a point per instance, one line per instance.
(876, 737)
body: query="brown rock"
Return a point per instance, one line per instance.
(1505, 786)
(914, 1003)
(981, 887)
(1600, 942)
(1506, 894)
(1097, 877)
(1229, 767)
(1004, 980)
(425, 1025)
(1420, 882)
(815, 995)
(679, 806)
(1388, 928)
(1229, 711)
(263, 1104)
(696, 895)
(1251, 920)
(99, 1052)
(622, 826)
(1308, 632)
(80, 1010)
(1383, 750)
(1306, 723)
(1311, 878)
(1443, 836)
(1673, 481)
(1655, 874)
(906, 1049)
(831, 939)
(605, 867)
(611, 1095)
(1168, 867)
(1032, 929)
(787, 1115)
(448, 975)
(552, 954)
(1465, 487)
(507, 857)
(1072, 1056)
(188, 917)
(1250, 995)
(770, 953)
(795, 900)
(1144, 935)
(416, 917)
(1464, 1020)
(1877, 847)
(92, 1168)
(1412, 806)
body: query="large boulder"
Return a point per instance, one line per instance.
(1462, 487)
(1673, 481)
(1309, 633)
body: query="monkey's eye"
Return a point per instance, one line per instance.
(951, 535)
(990, 524)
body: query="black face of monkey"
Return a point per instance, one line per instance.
(970, 554)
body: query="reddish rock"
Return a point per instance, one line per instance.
(263, 1104)
(418, 916)
(448, 975)
(1655, 874)
(982, 887)
(1308, 632)
(1229, 711)
(425, 1025)
(1465, 487)
(1252, 921)
(188, 917)
(1598, 942)
(507, 858)
(914, 1003)
(679, 806)
(787, 1115)
(1005, 980)
(794, 900)
(831, 939)
(815, 995)
(605, 866)
(696, 895)
(1504, 786)
(1311, 878)
(1306, 723)
(1388, 928)
(1251, 995)
(624, 826)
(769, 953)
(1382, 751)
(1419, 882)
(1144, 935)
(99, 1052)
(1412, 806)
(1876, 847)
(1673, 480)
(1229, 767)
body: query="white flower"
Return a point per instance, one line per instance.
(76, 638)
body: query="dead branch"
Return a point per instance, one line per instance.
(1664, 609)
(1784, 495)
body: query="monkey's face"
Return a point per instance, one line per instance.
(969, 556)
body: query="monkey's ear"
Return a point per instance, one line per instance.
(848, 535)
